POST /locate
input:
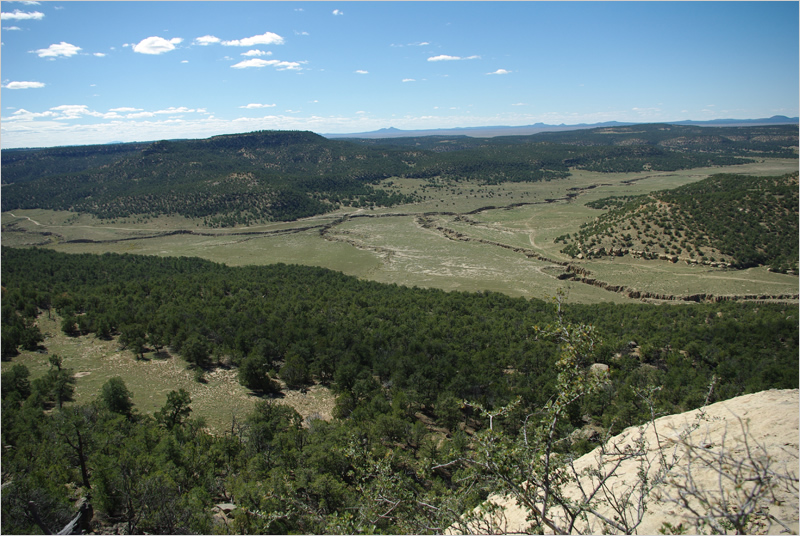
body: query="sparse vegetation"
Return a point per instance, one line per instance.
(738, 221)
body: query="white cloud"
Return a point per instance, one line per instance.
(361, 71)
(156, 45)
(336, 12)
(419, 44)
(256, 52)
(288, 66)
(99, 55)
(445, 57)
(206, 40)
(22, 15)
(75, 111)
(500, 71)
(24, 115)
(408, 80)
(10, 28)
(267, 38)
(519, 104)
(71, 109)
(258, 63)
(24, 85)
(139, 115)
(301, 33)
(255, 62)
(173, 110)
(184, 61)
(255, 105)
(61, 49)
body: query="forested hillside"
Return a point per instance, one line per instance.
(735, 220)
(764, 141)
(266, 176)
(396, 358)
(224, 180)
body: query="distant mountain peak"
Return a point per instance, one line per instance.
(526, 130)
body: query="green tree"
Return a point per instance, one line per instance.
(195, 350)
(253, 374)
(57, 385)
(175, 411)
(69, 325)
(16, 380)
(134, 337)
(116, 397)
(294, 371)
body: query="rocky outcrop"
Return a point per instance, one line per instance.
(734, 447)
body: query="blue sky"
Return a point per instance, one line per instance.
(96, 72)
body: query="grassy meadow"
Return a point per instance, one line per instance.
(389, 245)
(94, 361)
(396, 248)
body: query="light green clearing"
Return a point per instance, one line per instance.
(396, 249)
(95, 361)
(414, 256)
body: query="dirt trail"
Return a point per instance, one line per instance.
(580, 274)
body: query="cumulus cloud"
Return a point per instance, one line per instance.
(361, 71)
(255, 105)
(409, 80)
(445, 57)
(337, 12)
(267, 38)
(156, 45)
(61, 49)
(258, 63)
(256, 52)
(9, 28)
(99, 55)
(24, 85)
(500, 71)
(22, 15)
(24, 115)
(206, 40)
(75, 111)
(255, 62)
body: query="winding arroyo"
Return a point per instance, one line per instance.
(426, 220)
